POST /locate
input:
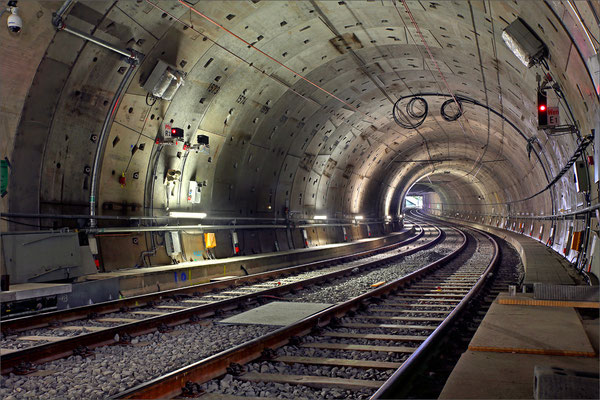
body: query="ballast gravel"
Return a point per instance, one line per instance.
(113, 369)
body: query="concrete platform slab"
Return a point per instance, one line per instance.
(132, 282)
(24, 291)
(533, 330)
(277, 313)
(486, 375)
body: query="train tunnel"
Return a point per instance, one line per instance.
(151, 145)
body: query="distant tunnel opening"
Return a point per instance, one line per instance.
(413, 201)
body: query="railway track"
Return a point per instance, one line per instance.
(32, 340)
(354, 349)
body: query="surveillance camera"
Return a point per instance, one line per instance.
(15, 23)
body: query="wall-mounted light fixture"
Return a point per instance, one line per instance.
(321, 217)
(524, 43)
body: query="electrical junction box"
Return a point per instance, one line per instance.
(46, 257)
(164, 80)
(202, 140)
(172, 243)
(235, 242)
(194, 192)
(581, 179)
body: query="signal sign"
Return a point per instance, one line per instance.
(542, 105)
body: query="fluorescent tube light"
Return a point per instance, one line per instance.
(320, 217)
(359, 217)
(178, 214)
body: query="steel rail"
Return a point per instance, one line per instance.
(170, 385)
(66, 347)
(45, 319)
(401, 378)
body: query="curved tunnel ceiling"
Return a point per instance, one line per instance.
(278, 136)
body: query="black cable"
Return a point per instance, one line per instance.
(152, 96)
(26, 224)
(410, 107)
(411, 111)
(451, 118)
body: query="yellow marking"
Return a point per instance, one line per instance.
(545, 352)
(549, 303)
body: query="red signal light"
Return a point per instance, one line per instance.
(173, 130)
(542, 103)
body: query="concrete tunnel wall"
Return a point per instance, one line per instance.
(276, 140)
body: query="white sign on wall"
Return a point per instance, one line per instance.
(553, 116)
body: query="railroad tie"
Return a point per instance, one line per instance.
(198, 301)
(401, 311)
(80, 328)
(419, 305)
(373, 336)
(172, 307)
(35, 338)
(339, 362)
(396, 318)
(360, 347)
(389, 326)
(142, 312)
(312, 381)
(118, 320)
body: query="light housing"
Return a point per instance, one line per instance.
(190, 215)
(320, 217)
(359, 217)
(177, 132)
(164, 80)
(542, 108)
(524, 43)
